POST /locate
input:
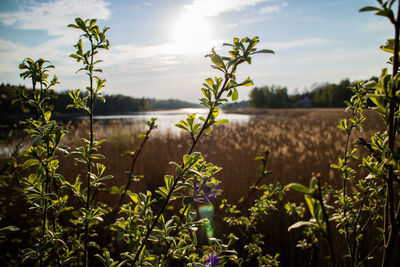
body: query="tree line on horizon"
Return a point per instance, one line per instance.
(273, 96)
(326, 95)
(115, 104)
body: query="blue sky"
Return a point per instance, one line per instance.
(158, 46)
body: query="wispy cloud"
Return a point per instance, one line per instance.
(54, 15)
(51, 17)
(216, 7)
(133, 58)
(374, 25)
(272, 8)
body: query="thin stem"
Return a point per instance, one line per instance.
(326, 219)
(391, 225)
(242, 205)
(89, 161)
(180, 176)
(349, 246)
(356, 244)
(369, 253)
(176, 231)
(130, 176)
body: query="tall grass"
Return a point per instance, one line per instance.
(301, 141)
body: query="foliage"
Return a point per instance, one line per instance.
(268, 97)
(143, 219)
(371, 203)
(73, 227)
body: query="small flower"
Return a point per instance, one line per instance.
(205, 193)
(211, 260)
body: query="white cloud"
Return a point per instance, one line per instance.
(215, 7)
(272, 8)
(130, 58)
(53, 16)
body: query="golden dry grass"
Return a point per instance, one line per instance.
(302, 142)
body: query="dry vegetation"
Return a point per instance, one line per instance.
(302, 141)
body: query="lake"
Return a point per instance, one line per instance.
(166, 119)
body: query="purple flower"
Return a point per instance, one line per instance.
(211, 260)
(205, 193)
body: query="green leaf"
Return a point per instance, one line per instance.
(299, 188)
(235, 95)
(128, 153)
(264, 51)
(187, 159)
(210, 81)
(47, 115)
(300, 224)
(97, 156)
(134, 197)
(142, 136)
(80, 23)
(182, 127)
(313, 183)
(217, 60)
(51, 196)
(37, 140)
(30, 163)
(369, 8)
(310, 203)
(105, 178)
(221, 121)
(7, 229)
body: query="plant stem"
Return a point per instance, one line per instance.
(349, 246)
(89, 161)
(176, 231)
(134, 158)
(265, 160)
(326, 219)
(391, 224)
(180, 176)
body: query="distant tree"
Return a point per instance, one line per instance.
(332, 95)
(236, 105)
(256, 98)
(269, 97)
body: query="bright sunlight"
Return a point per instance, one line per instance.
(191, 33)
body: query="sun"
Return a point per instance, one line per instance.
(191, 33)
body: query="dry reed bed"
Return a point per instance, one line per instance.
(301, 142)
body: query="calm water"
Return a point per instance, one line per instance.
(166, 119)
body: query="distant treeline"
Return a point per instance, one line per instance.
(115, 104)
(324, 95)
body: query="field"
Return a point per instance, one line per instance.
(302, 142)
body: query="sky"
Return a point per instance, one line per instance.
(157, 47)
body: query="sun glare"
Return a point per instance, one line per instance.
(191, 33)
